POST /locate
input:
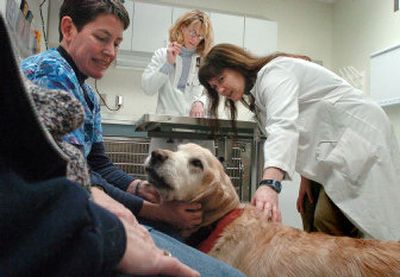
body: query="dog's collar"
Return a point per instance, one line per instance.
(207, 244)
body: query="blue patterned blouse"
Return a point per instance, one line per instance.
(49, 69)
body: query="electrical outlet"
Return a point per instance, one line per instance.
(119, 101)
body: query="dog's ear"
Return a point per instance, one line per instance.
(217, 196)
(208, 178)
(220, 202)
(206, 189)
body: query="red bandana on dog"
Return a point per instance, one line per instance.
(207, 244)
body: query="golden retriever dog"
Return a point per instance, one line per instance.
(251, 244)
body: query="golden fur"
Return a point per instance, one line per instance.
(252, 245)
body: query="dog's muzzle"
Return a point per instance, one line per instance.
(157, 158)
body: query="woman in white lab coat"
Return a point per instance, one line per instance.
(317, 124)
(172, 73)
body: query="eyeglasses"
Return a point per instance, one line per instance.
(194, 34)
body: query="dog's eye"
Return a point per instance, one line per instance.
(196, 163)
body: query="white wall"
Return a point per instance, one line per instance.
(3, 6)
(362, 27)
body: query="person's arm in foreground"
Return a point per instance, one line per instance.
(139, 244)
(91, 241)
(143, 257)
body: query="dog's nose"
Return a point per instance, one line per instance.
(158, 156)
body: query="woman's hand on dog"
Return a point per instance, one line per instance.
(179, 214)
(182, 215)
(266, 201)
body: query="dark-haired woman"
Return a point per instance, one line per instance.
(318, 125)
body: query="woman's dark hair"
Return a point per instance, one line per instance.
(83, 12)
(228, 56)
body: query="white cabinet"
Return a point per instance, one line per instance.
(260, 36)
(177, 12)
(126, 43)
(147, 32)
(227, 28)
(150, 26)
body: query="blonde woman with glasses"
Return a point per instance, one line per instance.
(172, 73)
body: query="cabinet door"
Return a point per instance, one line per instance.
(228, 28)
(126, 43)
(260, 36)
(177, 12)
(150, 26)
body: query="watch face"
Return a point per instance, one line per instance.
(274, 184)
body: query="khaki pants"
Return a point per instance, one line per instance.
(324, 216)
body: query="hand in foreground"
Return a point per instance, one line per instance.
(266, 201)
(197, 109)
(173, 50)
(304, 190)
(142, 257)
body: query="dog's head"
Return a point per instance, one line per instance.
(193, 174)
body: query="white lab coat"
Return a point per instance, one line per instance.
(327, 131)
(171, 100)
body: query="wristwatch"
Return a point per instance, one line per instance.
(274, 184)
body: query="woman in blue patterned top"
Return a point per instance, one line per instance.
(90, 33)
(87, 50)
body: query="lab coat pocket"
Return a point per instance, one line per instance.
(352, 155)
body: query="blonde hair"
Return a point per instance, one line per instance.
(175, 32)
